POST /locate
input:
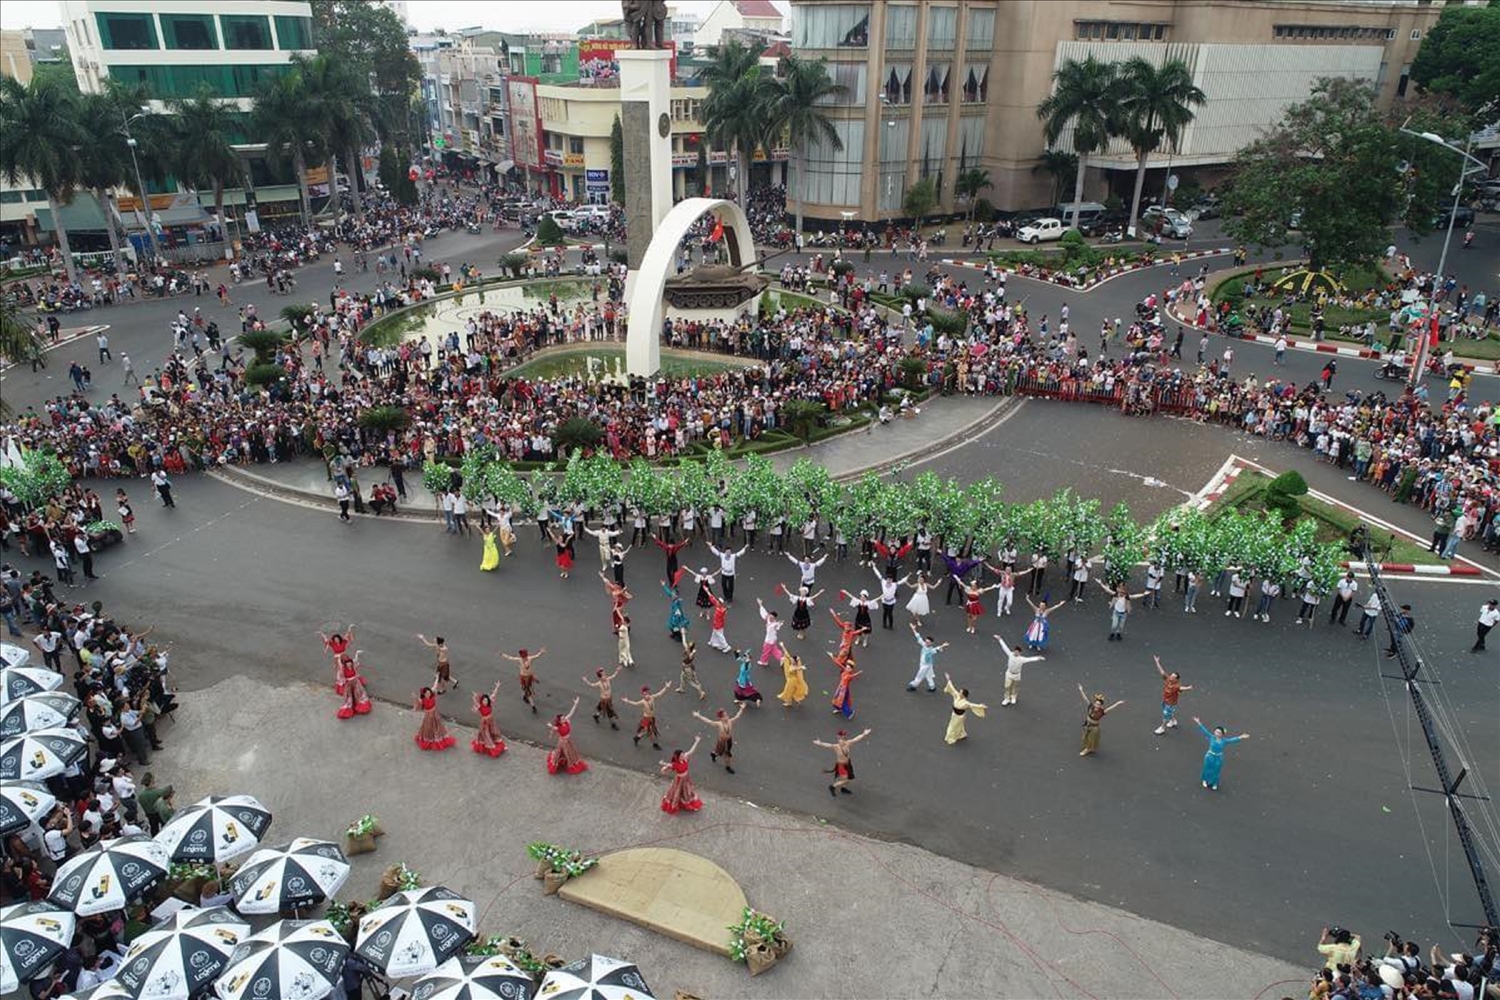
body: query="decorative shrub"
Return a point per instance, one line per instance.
(264, 374)
(384, 418)
(549, 233)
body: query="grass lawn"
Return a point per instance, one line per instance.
(573, 361)
(1334, 523)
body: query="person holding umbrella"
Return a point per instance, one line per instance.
(680, 793)
(564, 757)
(432, 734)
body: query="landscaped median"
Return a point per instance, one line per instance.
(1080, 273)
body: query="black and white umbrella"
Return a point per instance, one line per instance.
(416, 931)
(108, 875)
(215, 829)
(23, 803)
(289, 877)
(290, 960)
(31, 936)
(182, 957)
(110, 989)
(475, 977)
(18, 682)
(597, 977)
(46, 710)
(40, 754)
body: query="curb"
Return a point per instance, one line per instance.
(83, 331)
(1415, 570)
(1118, 272)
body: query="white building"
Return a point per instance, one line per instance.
(175, 46)
(746, 17)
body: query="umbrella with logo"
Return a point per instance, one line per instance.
(597, 977)
(40, 754)
(108, 875)
(31, 935)
(180, 958)
(215, 829)
(44, 710)
(475, 977)
(23, 803)
(110, 989)
(289, 877)
(416, 931)
(18, 682)
(290, 960)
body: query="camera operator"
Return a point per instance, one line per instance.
(1403, 956)
(1338, 947)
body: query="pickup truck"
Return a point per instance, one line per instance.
(1041, 229)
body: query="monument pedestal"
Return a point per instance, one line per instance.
(645, 118)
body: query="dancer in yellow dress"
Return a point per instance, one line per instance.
(795, 688)
(962, 706)
(491, 553)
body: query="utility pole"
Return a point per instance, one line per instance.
(1410, 667)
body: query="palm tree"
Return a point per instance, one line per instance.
(796, 110)
(42, 123)
(104, 163)
(1063, 166)
(736, 111)
(1084, 96)
(970, 182)
(342, 101)
(287, 120)
(19, 340)
(203, 130)
(1158, 104)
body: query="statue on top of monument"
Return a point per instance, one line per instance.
(645, 22)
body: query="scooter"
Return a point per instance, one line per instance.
(1468, 239)
(1390, 371)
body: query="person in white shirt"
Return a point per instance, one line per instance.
(1343, 598)
(770, 647)
(1014, 661)
(1370, 616)
(1489, 615)
(727, 560)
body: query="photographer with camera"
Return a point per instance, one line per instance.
(1338, 947)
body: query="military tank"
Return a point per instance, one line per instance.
(714, 286)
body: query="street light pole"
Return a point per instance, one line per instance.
(140, 185)
(1458, 190)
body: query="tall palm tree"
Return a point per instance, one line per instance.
(1062, 166)
(342, 99)
(19, 339)
(1158, 104)
(287, 120)
(797, 100)
(1084, 97)
(41, 123)
(203, 130)
(104, 163)
(735, 112)
(970, 182)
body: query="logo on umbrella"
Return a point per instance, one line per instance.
(31, 800)
(49, 925)
(38, 759)
(266, 890)
(227, 936)
(231, 833)
(232, 987)
(101, 888)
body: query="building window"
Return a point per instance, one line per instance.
(850, 76)
(684, 109)
(935, 86)
(893, 162)
(1404, 80)
(976, 88)
(981, 32)
(942, 27)
(833, 26)
(166, 82)
(931, 157)
(833, 176)
(900, 27)
(127, 31)
(1416, 34)
(189, 31)
(897, 88)
(246, 31)
(294, 33)
(575, 144)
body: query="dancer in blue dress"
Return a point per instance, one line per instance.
(1213, 760)
(677, 622)
(1039, 630)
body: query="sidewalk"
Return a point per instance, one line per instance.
(868, 918)
(941, 420)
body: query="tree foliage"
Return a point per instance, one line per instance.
(370, 41)
(1085, 98)
(1335, 162)
(1158, 104)
(394, 175)
(1460, 56)
(797, 101)
(617, 162)
(920, 199)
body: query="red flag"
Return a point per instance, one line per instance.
(718, 232)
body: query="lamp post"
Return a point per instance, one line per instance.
(1458, 189)
(140, 185)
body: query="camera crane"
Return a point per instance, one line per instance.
(1411, 666)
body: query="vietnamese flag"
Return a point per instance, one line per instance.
(718, 231)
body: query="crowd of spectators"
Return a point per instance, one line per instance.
(1404, 971)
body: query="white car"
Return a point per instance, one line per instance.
(1042, 229)
(14, 656)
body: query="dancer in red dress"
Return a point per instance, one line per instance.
(564, 543)
(564, 757)
(487, 740)
(348, 681)
(848, 632)
(671, 549)
(433, 734)
(973, 607)
(680, 793)
(337, 645)
(618, 597)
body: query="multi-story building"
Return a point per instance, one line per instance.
(759, 19)
(175, 46)
(934, 88)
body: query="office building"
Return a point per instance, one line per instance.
(938, 87)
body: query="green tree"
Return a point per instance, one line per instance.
(617, 162)
(1336, 162)
(19, 339)
(370, 42)
(1063, 166)
(1460, 56)
(797, 100)
(57, 71)
(1085, 97)
(736, 112)
(287, 121)
(549, 233)
(970, 182)
(341, 98)
(103, 164)
(920, 199)
(1158, 104)
(203, 131)
(47, 117)
(395, 177)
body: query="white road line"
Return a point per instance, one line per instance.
(969, 440)
(166, 545)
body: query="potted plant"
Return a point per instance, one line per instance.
(758, 940)
(359, 838)
(398, 878)
(555, 865)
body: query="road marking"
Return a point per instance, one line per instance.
(969, 440)
(168, 544)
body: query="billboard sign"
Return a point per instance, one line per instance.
(526, 122)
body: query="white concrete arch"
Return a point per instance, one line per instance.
(643, 333)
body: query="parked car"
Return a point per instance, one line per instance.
(12, 655)
(1104, 223)
(1042, 229)
(1463, 217)
(1207, 207)
(1153, 212)
(1175, 226)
